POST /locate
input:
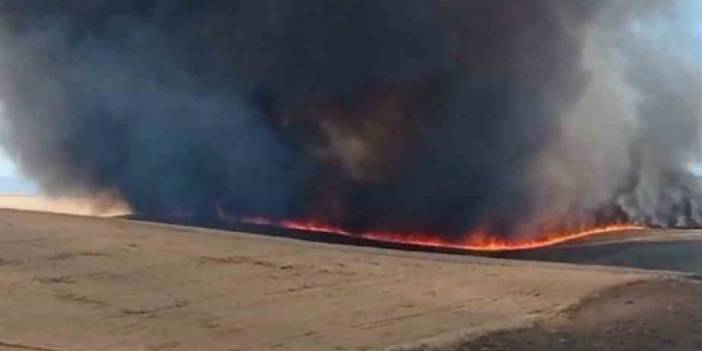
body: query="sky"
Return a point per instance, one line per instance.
(12, 181)
(7, 167)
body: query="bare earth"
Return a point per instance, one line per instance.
(642, 316)
(77, 283)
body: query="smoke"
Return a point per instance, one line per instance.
(445, 116)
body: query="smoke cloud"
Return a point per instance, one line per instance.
(445, 116)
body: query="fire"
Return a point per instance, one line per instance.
(475, 242)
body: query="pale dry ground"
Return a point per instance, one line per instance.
(76, 283)
(98, 207)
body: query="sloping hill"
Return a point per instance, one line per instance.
(79, 283)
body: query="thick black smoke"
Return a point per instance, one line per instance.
(511, 116)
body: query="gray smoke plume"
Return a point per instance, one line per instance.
(447, 116)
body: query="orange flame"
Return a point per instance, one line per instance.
(479, 242)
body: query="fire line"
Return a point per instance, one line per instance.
(480, 242)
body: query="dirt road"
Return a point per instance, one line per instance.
(643, 316)
(76, 283)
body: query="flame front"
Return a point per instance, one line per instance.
(474, 242)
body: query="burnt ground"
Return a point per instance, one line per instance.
(654, 249)
(650, 249)
(643, 316)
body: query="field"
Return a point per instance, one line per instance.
(83, 283)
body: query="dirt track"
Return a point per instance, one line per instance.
(643, 316)
(72, 283)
